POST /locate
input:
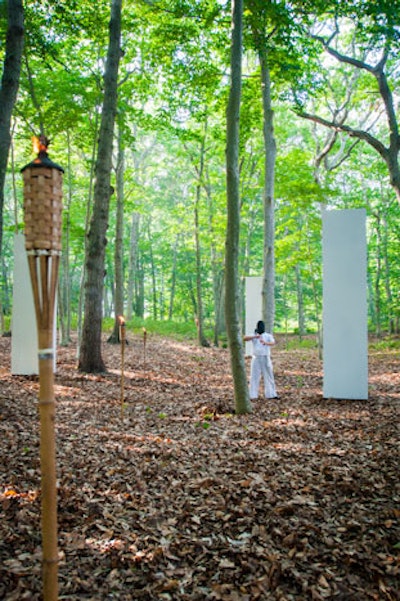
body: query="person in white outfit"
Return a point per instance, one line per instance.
(261, 364)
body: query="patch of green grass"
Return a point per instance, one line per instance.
(295, 343)
(388, 343)
(168, 329)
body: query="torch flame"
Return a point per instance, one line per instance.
(40, 144)
(121, 320)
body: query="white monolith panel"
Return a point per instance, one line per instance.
(24, 342)
(24, 346)
(345, 327)
(253, 307)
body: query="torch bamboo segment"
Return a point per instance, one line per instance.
(48, 468)
(35, 288)
(45, 300)
(44, 297)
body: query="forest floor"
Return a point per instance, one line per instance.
(181, 499)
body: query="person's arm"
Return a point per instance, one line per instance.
(269, 341)
(251, 337)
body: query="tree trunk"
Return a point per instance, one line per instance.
(9, 88)
(232, 282)
(139, 290)
(268, 287)
(153, 272)
(391, 323)
(216, 263)
(300, 303)
(87, 223)
(64, 295)
(90, 359)
(133, 265)
(173, 278)
(119, 241)
(199, 294)
(377, 282)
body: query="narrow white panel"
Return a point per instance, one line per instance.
(24, 338)
(24, 344)
(253, 307)
(345, 327)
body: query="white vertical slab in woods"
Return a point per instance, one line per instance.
(253, 307)
(345, 326)
(24, 338)
(24, 345)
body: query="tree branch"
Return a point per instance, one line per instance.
(353, 133)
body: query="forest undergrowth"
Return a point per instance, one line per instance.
(171, 496)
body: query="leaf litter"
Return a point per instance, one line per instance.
(172, 496)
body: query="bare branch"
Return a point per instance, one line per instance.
(354, 133)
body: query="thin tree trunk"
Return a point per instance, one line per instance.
(199, 169)
(199, 294)
(300, 303)
(133, 265)
(268, 287)
(388, 288)
(119, 241)
(139, 290)
(232, 282)
(173, 278)
(216, 263)
(9, 88)
(87, 223)
(377, 282)
(90, 359)
(64, 294)
(153, 273)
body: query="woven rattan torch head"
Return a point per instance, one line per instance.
(42, 201)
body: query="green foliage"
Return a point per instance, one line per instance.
(172, 96)
(170, 329)
(387, 343)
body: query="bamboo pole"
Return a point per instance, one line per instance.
(43, 206)
(48, 446)
(44, 270)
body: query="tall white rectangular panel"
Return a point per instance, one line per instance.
(253, 307)
(24, 337)
(24, 343)
(345, 327)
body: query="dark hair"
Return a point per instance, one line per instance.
(260, 329)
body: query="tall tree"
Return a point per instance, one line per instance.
(268, 288)
(232, 281)
(9, 87)
(119, 237)
(90, 359)
(273, 31)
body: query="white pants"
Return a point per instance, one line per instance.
(262, 366)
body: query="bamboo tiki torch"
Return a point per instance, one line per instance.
(122, 341)
(42, 208)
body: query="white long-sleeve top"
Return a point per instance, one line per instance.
(260, 349)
